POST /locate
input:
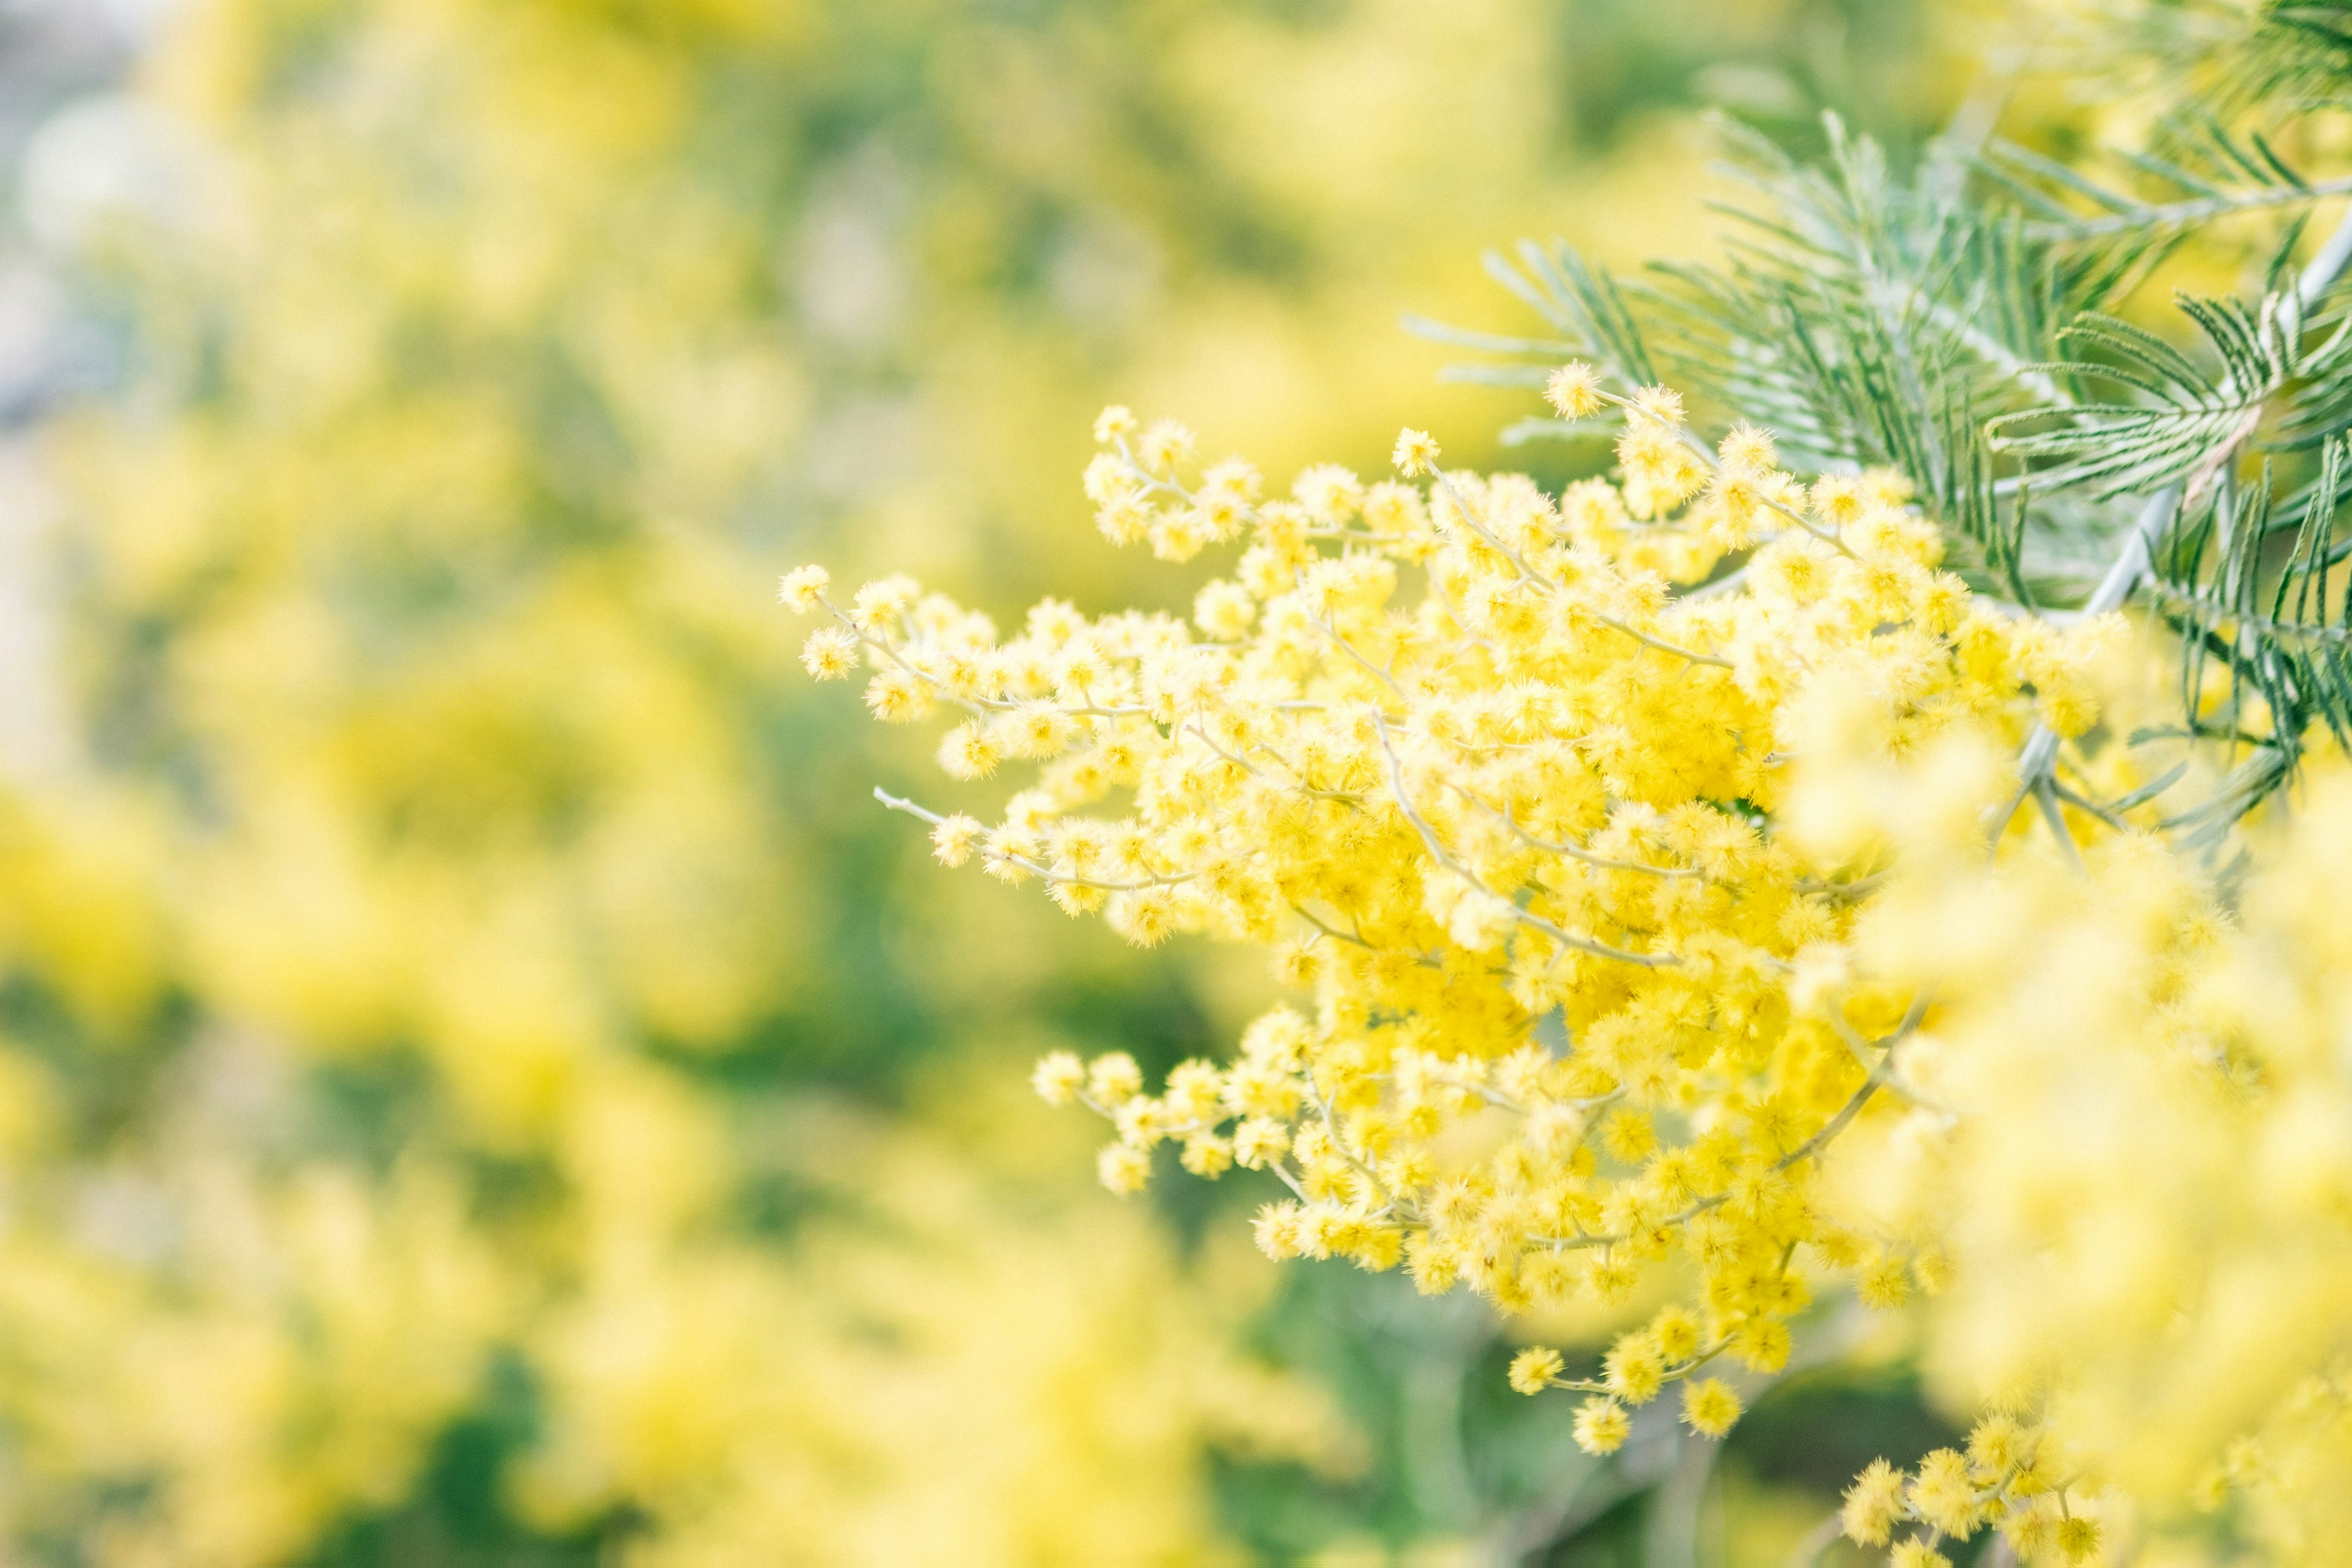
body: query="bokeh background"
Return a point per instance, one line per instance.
(480, 1080)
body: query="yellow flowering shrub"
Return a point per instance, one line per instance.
(214, 1359)
(400, 992)
(380, 1000)
(312, 1337)
(933, 1376)
(2124, 1147)
(1643, 923)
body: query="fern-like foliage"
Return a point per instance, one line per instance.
(2206, 171)
(2253, 630)
(2188, 417)
(1867, 320)
(2230, 56)
(1984, 323)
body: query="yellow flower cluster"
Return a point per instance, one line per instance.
(1578, 1009)
(405, 598)
(2006, 1476)
(1653, 932)
(2130, 1139)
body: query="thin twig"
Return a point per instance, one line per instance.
(2174, 215)
(1034, 867)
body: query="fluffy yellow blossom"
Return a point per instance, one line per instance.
(1602, 1426)
(1634, 1370)
(1655, 405)
(952, 839)
(830, 654)
(1114, 1079)
(801, 589)
(1533, 1369)
(1058, 1077)
(1163, 445)
(1709, 1407)
(2078, 1538)
(1748, 450)
(1416, 453)
(1872, 1505)
(1942, 1493)
(1574, 390)
(1123, 1168)
(1885, 1283)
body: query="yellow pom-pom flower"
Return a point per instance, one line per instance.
(1533, 1369)
(1602, 1426)
(1574, 391)
(801, 589)
(1416, 453)
(1058, 1077)
(1873, 1505)
(1709, 1407)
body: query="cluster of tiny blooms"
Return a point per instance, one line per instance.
(1612, 902)
(356, 1106)
(2128, 1132)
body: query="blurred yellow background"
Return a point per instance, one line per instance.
(479, 1081)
